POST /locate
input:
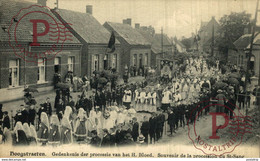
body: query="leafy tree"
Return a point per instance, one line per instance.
(231, 28)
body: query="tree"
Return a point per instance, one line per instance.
(231, 28)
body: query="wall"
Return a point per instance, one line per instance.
(233, 58)
(28, 71)
(101, 50)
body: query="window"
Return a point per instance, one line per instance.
(135, 60)
(71, 62)
(146, 59)
(114, 61)
(14, 73)
(140, 60)
(57, 65)
(41, 70)
(105, 62)
(95, 62)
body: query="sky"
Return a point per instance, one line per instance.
(176, 17)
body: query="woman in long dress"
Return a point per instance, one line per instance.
(68, 115)
(44, 127)
(27, 131)
(66, 131)
(19, 137)
(91, 122)
(54, 136)
(33, 135)
(80, 126)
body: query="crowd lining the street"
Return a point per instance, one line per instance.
(126, 114)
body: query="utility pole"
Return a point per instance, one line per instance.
(212, 40)
(162, 41)
(57, 4)
(250, 53)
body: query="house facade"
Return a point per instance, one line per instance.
(206, 32)
(95, 55)
(135, 49)
(237, 56)
(18, 69)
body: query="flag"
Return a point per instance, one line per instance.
(111, 43)
(198, 37)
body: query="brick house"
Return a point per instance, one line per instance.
(15, 72)
(237, 55)
(156, 41)
(135, 49)
(205, 32)
(94, 37)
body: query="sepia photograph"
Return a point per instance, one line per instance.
(129, 78)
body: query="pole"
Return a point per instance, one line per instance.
(212, 41)
(250, 53)
(162, 41)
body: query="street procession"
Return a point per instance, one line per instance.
(119, 84)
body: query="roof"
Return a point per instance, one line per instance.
(208, 25)
(24, 30)
(176, 41)
(157, 42)
(129, 34)
(146, 34)
(243, 41)
(202, 25)
(85, 25)
(256, 42)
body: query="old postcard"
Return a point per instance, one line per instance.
(129, 78)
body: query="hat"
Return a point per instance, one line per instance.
(219, 91)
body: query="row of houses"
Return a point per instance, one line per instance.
(85, 52)
(237, 53)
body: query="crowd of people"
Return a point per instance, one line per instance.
(127, 114)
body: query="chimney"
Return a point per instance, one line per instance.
(124, 21)
(89, 9)
(42, 2)
(129, 21)
(137, 25)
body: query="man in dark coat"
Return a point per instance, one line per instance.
(6, 120)
(60, 109)
(25, 115)
(88, 105)
(108, 97)
(171, 121)
(32, 115)
(1, 112)
(103, 99)
(120, 135)
(106, 139)
(153, 127)
(145, 129)
(47, 107)
(18, 117)
(135, 130)
(162, 120)
(95, 140)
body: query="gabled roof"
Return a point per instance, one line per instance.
(129, 34)
(86, 26)
(146, 34)
(256, 42)
(208, 25)
(24, 31)
(177, 42)
(157, 42)
(243, 41)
